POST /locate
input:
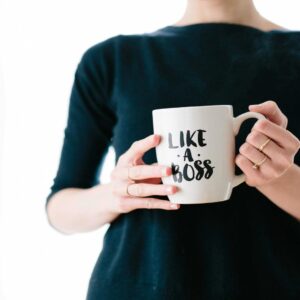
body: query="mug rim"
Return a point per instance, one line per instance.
(194, 106)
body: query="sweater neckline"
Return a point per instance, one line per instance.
(218, 25)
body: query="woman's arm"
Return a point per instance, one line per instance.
(73, 210)
(278, 177)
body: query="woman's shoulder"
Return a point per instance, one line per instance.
(103, 47)
(285, 41)
(112, 46)
(280, 37)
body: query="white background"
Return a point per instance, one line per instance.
(41, 44)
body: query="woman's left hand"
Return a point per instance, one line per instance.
(278, 153)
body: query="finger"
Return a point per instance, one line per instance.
(269, 168)
(271, 149)
(256, 157)
(152, 180)
(138, 149)
(125, 188)
(271, 110)
(281, 136)
(253, 176)
(148, 189)
(143, 172)
(148, 171)
(132, 203)
(251, 153)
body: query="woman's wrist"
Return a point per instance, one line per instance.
(284, 191)
(102, 197)
(75, 210)
(285, 177)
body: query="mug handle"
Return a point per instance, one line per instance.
(237, 122)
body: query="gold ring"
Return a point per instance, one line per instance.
(257, 165)
(264, 145)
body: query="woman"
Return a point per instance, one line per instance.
(219, 52)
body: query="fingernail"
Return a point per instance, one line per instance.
(174, 205)
(166, 171)
(171, 189)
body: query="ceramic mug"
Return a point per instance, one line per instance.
(198, 143)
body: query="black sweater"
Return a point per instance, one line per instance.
(243, 248)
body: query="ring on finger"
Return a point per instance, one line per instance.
(262, 146)
(257, 165)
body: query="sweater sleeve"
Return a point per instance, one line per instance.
(90, 123)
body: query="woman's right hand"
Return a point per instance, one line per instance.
(143, 181)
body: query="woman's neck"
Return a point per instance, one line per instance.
(229, 11)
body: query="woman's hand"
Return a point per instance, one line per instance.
(140, 179)
(277, 155)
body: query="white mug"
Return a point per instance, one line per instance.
(198, 143)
